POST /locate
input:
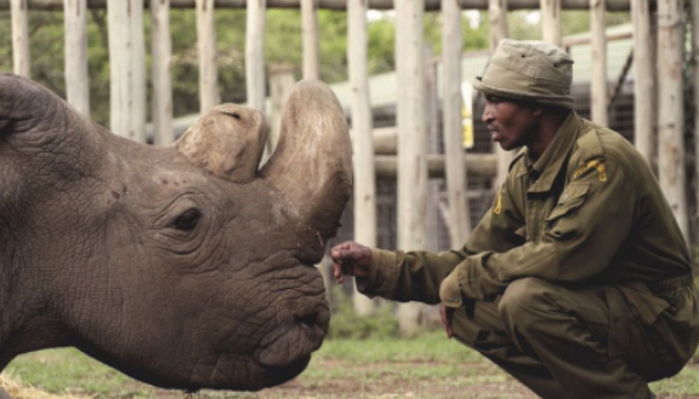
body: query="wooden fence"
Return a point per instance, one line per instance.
(658, 106)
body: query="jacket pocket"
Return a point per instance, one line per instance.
(642, 331)
(558, 225)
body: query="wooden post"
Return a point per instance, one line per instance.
(119, 66)
(644, 82)
(598, 95)
(365, 224)
(127, 68)
(311, 44)
(138, 77)
(76, 74)
(695, 52)
(497, 11)
(671, 149)
(208, 72)
(459, 214)
(435, 209)
(281, 82)
(412, 139)
(21, 59)
(551, 21)
(163, 133)
(254, 54)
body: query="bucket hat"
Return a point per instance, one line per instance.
(529, 70)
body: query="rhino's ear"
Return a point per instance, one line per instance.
(32, 110)
(227, 141)
(35, 120)
(17, 98)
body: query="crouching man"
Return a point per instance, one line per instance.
(577, 281)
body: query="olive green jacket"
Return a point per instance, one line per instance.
(589, 211)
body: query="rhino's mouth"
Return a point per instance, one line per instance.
(298, 323)
(300, 332)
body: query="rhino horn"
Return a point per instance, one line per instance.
(312, 163)
(228, 141)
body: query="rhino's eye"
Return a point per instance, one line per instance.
(187, 221)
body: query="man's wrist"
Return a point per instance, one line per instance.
(382, 273)
(450, 290)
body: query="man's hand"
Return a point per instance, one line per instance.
(446, 314)
(450, 294)
(350, 259)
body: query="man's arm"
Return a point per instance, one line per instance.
(417, 275)
(396, 275)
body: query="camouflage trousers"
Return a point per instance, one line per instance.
(573, 343)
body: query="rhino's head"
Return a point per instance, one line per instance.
(185, 267)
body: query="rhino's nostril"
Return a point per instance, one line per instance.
(310, 320)
(313, 320)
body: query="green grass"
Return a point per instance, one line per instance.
(429, 356)
(374, 361)
(429, 346)
(427, 366)
(67, 370)
(684, 383)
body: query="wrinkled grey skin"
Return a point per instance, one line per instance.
(178, 266)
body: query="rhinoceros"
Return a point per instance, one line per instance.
(185, 267)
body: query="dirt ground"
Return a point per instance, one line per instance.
(384, 381)
(477, 380)
(340, 371)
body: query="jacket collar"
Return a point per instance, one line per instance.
(550, 162)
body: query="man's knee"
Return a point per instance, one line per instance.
(525, 302)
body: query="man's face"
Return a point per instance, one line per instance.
(510, 123)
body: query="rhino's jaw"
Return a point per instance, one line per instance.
(282, 353)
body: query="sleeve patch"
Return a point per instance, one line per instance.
(593, 164)
(497, 208)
